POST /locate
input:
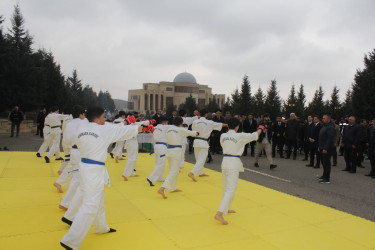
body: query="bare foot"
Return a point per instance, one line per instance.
(191, 175)
(122, 159)
(125, 179)
(116, 160)
(161, 192)
(59, 172)
(221, 219)
(63, 208)
(135, 175)
(231, 211)
(203, 175)
(58, 186)
(176, 190)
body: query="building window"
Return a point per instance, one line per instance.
(169, 100)
(161, 102)
(186, 89)
(201, 91)
(131, 105)
(151, 102)
(169, 89)
(146, 102)
(134, 97)
(144, 86)
(156, 102)
(201, 103)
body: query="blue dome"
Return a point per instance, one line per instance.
(185, 77)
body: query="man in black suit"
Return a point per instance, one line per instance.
(314, 143)
(291, 134)
(351, 140)
(40, 121)
(250, 125)
(278, 129)
(157, 117)
(371, 149)
(308, 133)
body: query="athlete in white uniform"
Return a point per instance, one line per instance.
(174, 135)
(204, 127)
(160, 150)
(117, 150)
(93, 141)
(47, 143)
(54, 121)
(187, 121)
(233, 144)
(131, 147)
(66, 148)
(70, 172)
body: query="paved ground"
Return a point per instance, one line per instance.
(352, 193)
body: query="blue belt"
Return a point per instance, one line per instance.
(237, 156)
(162, 143)
(75, 146)
(174, 146)
(89, 161)
(55, 127)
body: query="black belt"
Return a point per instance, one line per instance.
(75, 146)
(201, 138)
(55, 127)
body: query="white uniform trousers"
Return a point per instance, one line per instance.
(74, 184)
(55, 149)
(183, 154)
(132, 155)
(47, 143)
(92, 210)
(75, 203)
(268, 149)
(66, 158)
(117, 150)
(157, 174)
(174, 169)
(200, 159)
(230, 183)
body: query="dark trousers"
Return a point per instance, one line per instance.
(351, 159)
(326, 162)
(361, 151)
(334, 156)
(279, 142)
(291, 144)
(306, 149)
(371, 156)
(39, 130)
(15, 124)
(191, 141)
(252, 145)
(314, 152)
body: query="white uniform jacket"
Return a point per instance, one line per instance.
(204, 127)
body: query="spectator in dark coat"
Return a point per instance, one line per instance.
(250, 125)
(363, 142)
(291, 134)
(307, 132)
(278, 129)
(314, 143)
(326, 146)
(16, 117)
(371, 149)
(40, 121)
(351, 140)
(157, 117)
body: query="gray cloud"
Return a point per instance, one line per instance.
(118, 45)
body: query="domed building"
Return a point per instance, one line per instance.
(154, 96)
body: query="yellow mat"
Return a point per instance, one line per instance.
(265, 219)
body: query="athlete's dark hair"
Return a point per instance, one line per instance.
(163, 118)
(182, 112)
(94, 112)
(54, 108)
(177, 120)
(77, 110)
(233, 123)
(121, 113)
(202, 112)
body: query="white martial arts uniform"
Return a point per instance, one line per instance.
(204, 127)
(188, 121)
(131, 147)
(66, 148)
(117, 150)
(233, 146)
(54, 121)
(47, 142)
(93, 141)
(160, 150)
(71, 171)
(174, 139)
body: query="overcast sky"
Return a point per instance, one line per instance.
(117, 45)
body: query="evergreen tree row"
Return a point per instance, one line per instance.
(33, 79)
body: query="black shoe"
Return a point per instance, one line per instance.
(65, 246)
(308, 165)
(59, 159)
(46, 158)
(112, 230)
(38, 155)
(345, 169)
(111, 155)
(273, 166)
(6, 149)
(150, 182)
(324, 182)
(316, 166)
(320, 178)
(256, 165)
(65, 220)
(368, 175)
(304, 159)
